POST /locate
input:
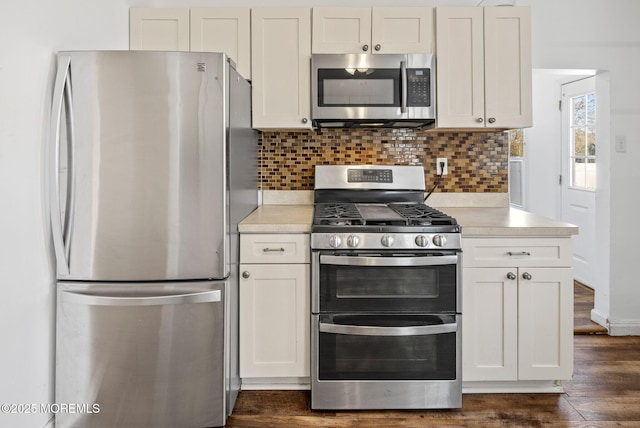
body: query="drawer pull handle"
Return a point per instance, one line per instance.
(518, 253)
(273, 250)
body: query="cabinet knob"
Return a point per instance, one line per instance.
(365, 48)
(492, 120)
(511, 276)
(246, 274)
(304, 120)
(479, 120)
(377, 47)
(526, 276)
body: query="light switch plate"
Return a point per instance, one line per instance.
(621, 143)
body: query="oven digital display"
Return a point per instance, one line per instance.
(369, 176)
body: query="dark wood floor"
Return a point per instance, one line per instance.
(604, 392)
(582, 305)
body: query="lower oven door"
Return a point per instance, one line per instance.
(385, 361)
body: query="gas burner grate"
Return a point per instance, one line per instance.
(420, 214)
(338, 214)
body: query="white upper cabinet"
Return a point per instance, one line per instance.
(205, 29)
(223, 29)
(373, 30)
(281, 69)
(507, 64)
(159, 29)
(484, 67)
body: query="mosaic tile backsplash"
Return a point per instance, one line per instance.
(477, 162)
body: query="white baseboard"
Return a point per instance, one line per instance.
(513, 387)
(275, 383)
(624, 327)
(599, 318)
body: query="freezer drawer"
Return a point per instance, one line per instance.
(148, 355)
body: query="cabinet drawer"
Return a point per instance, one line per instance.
(537, 252)
(274, 248)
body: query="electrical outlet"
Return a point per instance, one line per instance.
(443, 171)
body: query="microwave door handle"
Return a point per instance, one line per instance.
(403, 81)
(358, 330)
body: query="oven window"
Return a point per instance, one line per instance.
(371, 88)
(366, 357)
(348, 288)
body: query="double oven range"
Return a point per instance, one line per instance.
(385, 298)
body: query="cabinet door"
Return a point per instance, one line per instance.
(341, 30)
(507, 40)
(280, 58)
(274, 320)
(402, 30)
(223, 29)
(154, 29)
(545, 304)
(460, 66)
(490, 324)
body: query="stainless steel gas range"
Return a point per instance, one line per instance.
(386, 304)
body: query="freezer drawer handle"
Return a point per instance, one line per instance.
(357, 330)
(102, 300)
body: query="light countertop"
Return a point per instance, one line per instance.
(278, 219)
(507, 222)
(474, 221)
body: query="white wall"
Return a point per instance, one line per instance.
(592, 34)
(30, 33)
(566, 34)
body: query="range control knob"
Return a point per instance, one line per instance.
(386, 240)
(353, 241)
(439, 241)
(335, 241)
(422, 241)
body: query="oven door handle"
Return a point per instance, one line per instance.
(359, 330)
(388, 261)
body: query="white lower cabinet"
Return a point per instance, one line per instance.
(517, 311)
(274, 308)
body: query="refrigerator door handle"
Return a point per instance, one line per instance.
(104, 299)
(60, 231)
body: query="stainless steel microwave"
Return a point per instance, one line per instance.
(373, 90)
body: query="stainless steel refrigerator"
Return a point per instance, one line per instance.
(152, 164)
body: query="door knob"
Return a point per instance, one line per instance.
(305, 120)
(377, 47)
(492, 120)
(526, 276)
(365, 48)
(479, 120)
(246, 274)
(511, 276)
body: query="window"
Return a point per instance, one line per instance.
(582, 140)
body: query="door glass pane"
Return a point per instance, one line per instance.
(591, 141)
(579, 172)
(583, 141)
(578, 142)
(591, 109)
(579, 111)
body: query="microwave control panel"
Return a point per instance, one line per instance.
(418, 87)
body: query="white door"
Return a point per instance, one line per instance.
(579, 137)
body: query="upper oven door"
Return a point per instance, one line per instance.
(364, 86)
(348, 282)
